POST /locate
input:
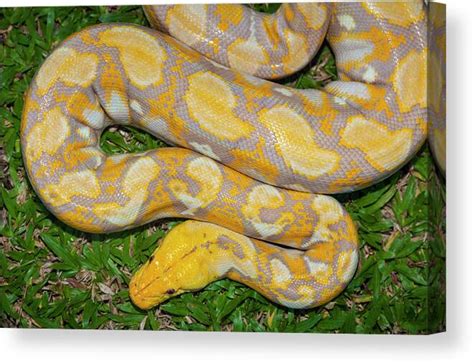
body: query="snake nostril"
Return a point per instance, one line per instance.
(170, 291)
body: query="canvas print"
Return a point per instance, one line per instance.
(254, 167)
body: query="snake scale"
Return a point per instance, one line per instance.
(250, 161)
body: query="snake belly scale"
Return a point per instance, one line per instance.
(251, 160)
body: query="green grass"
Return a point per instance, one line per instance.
(53, 276)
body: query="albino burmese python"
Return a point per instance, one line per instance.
(249, 153)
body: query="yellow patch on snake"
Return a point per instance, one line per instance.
(141, 55)
(306, 295)
(80, 183)
(329, 212)
(314, 14)
(69, 66)
(362, 48)
(210, 103)
(297, 50)
(82, 108)
(287, 126)
(76, 155)
(207, 174)
(316, 103)
(410, 80)
(135, 188)
(48, 135)
(261, 197)
(346, 265)
(288, 13)
(254, 161)
(349, 90)
(365, 96)
(384, 149)
(246, 54)
(396, 12)
(228, 16)
(187, 22)
(114, 168)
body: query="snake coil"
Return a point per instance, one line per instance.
(251, 159)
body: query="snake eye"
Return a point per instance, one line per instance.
(170, 291)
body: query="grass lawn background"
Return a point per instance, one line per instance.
(53, 276)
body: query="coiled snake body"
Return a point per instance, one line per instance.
(250, 155)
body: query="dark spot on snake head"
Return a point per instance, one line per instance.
(170, 291)
(152, 257)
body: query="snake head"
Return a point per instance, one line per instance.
(180, 264)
